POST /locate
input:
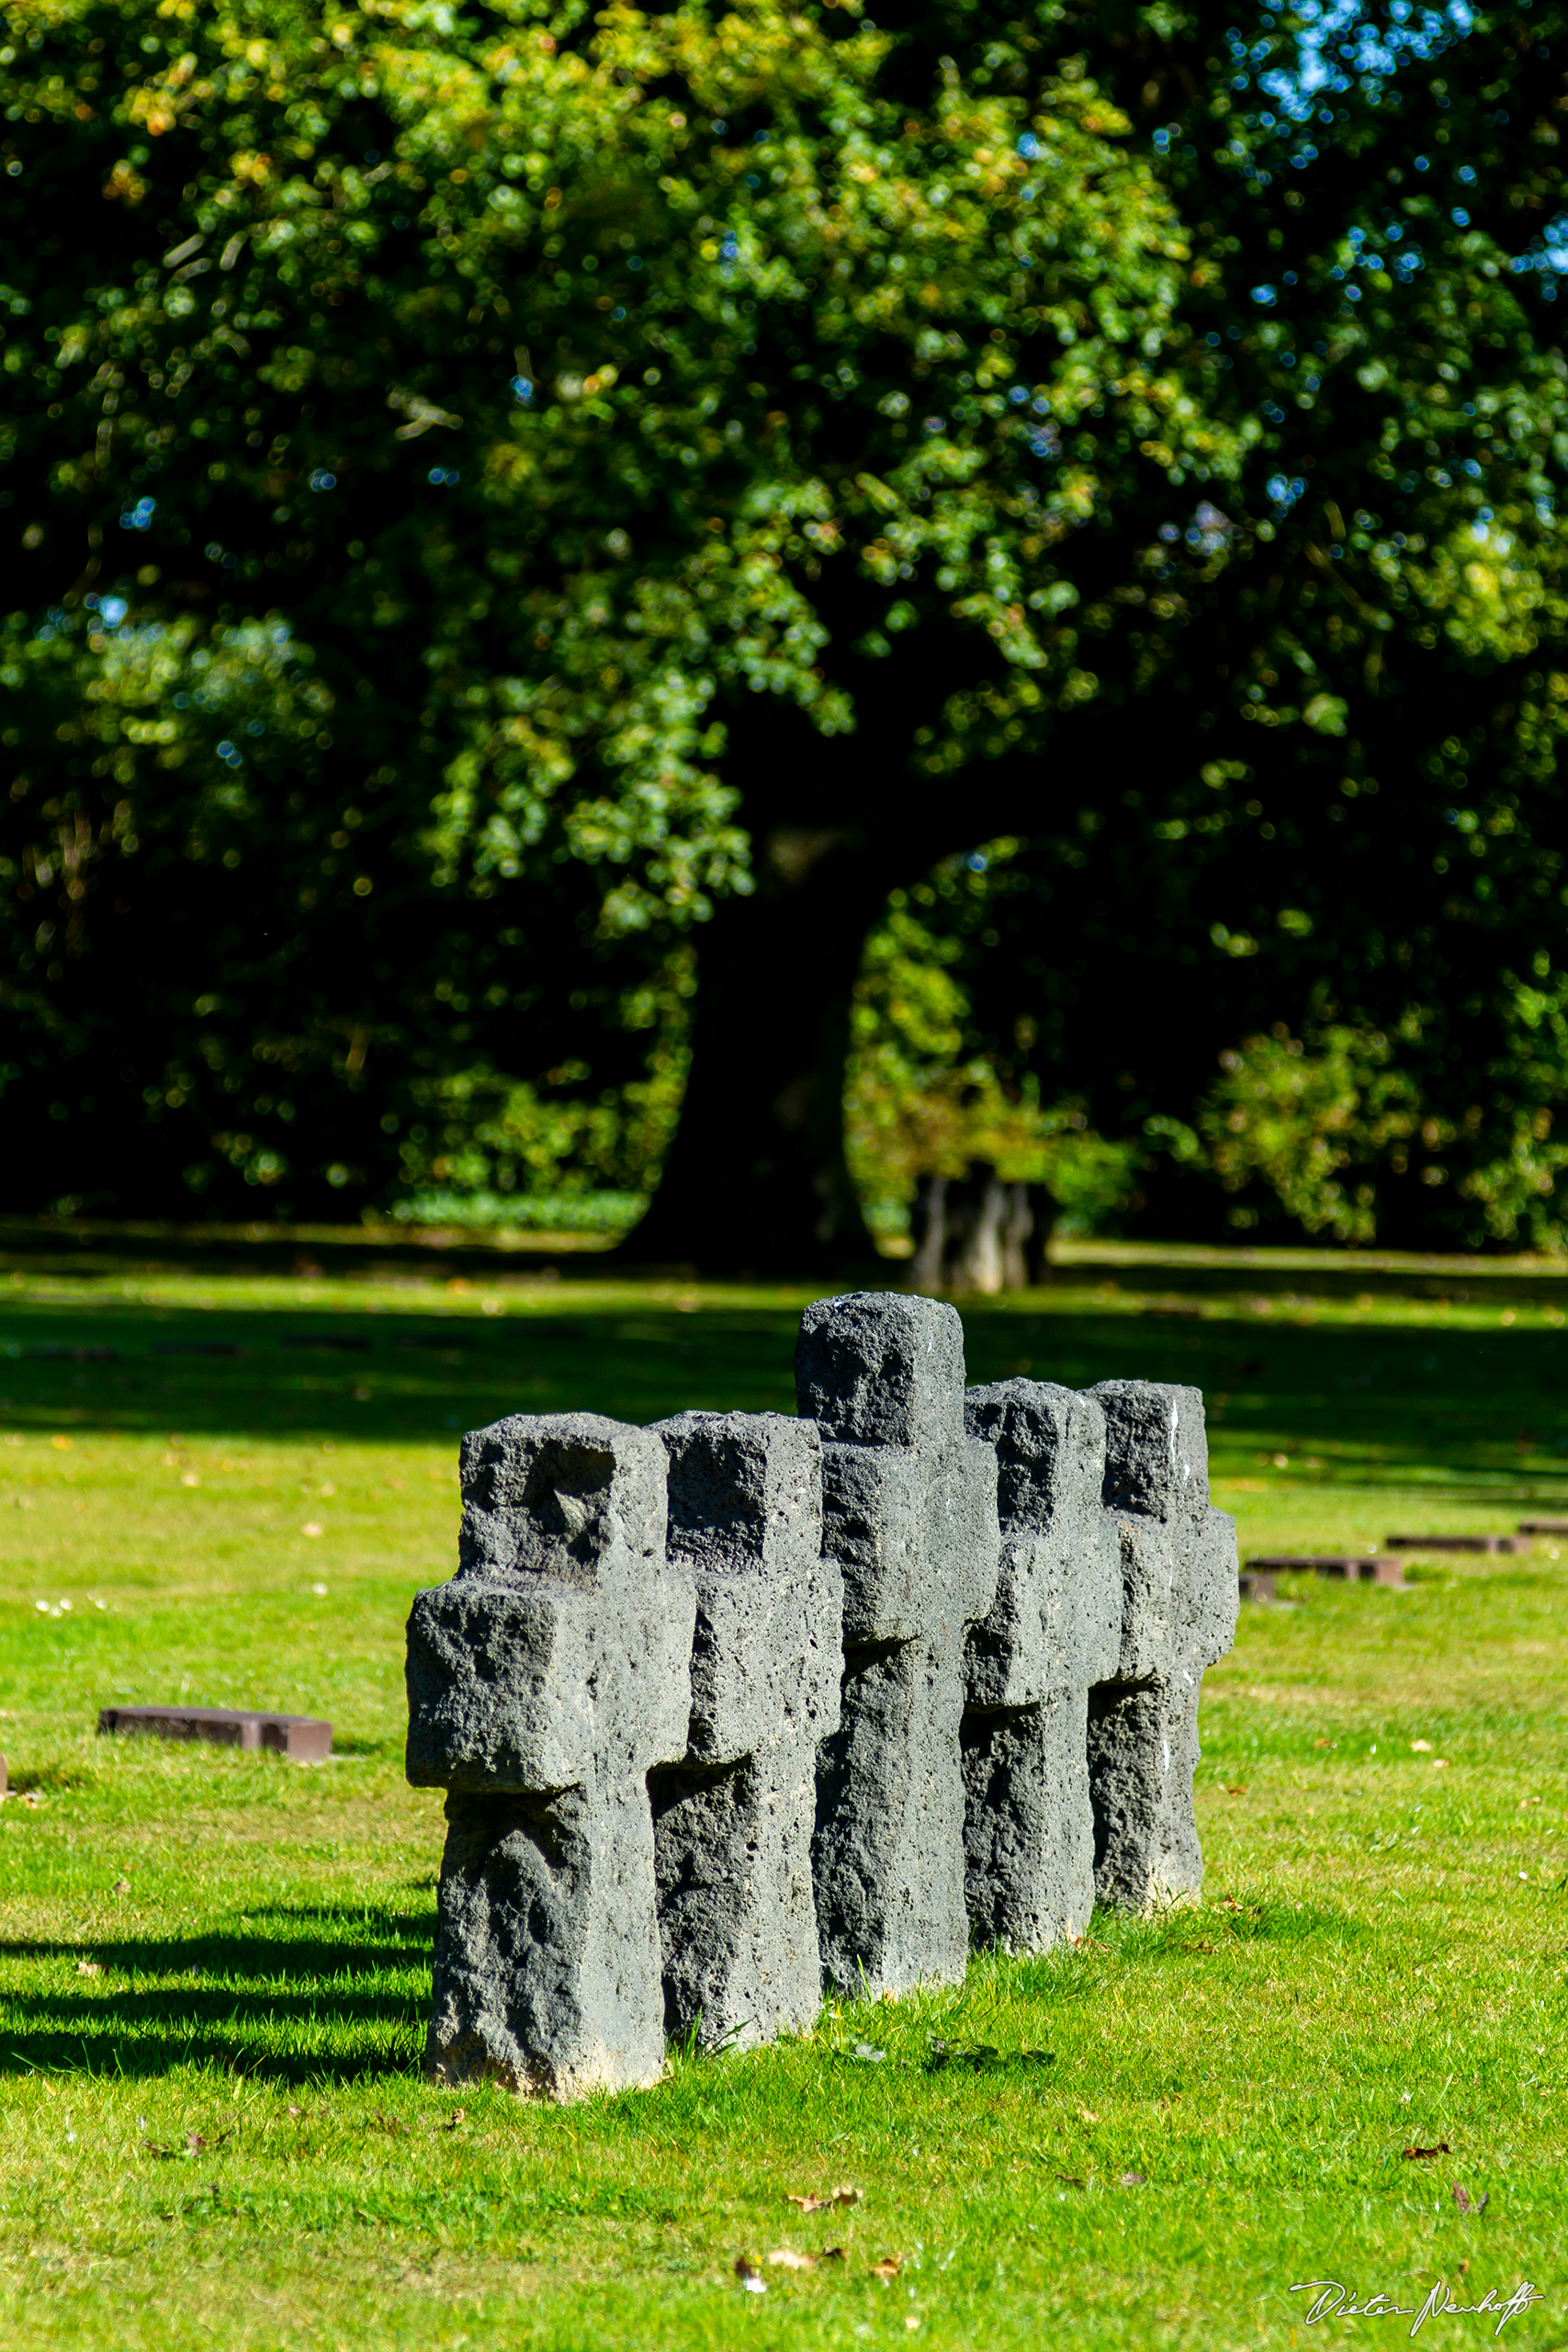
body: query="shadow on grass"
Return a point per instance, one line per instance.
(291, 2001)
(1444, 1409)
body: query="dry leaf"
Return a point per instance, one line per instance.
(1130, 2180)
(150, 2148)
(453, 2120)
(1069, 2180)
(1420, 1747)
(89, 1968)
(832, 2254)
(843, 2195)
(121, 1886)
(1467, 2203)
(193, 2143)
(1235, 1789)
(1420, 2155)
(298, 2110)
(784, 2257)
(887, 2270)
(751, 2278)
(1088, 2114)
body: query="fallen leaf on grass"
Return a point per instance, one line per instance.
(751, 2278)
(1420, 1747)
(1420, 2155)
(1130, 2180)
(1466, 2202)
(193, 2143)
(150, 2148)
(298, 2110)
(869, 2054)
(89, 1968)
(453, 2120)
(1200, 1947)
(784, 2257)
(121, 1886)
(832, 2254)
(1069, 2180)
(887, 2270)
(843, 2195)
(1088, 2114)
(1235, 1789)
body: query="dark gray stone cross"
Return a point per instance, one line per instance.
(1180, 1589)
(1053, 1632)
(910, 1515)
(545, 1681)
(732, 1822)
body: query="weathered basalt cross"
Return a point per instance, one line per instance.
(1180, 1594)
(909, 1514)
(1054, 1630)
(545, 1681)
(733, 1820)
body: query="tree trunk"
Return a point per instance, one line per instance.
(757, 1175)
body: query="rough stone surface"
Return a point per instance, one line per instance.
(545, 1681)
(909, 1514)
(1054, 1630)
(733, 1820)
(1180, 1594)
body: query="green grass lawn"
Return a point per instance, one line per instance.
(214, 1969)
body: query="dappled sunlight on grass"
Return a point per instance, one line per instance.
(214, 1968)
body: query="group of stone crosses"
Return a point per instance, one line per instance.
(738, 1707)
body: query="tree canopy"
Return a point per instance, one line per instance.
(493, 494)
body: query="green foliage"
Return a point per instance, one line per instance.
(487, 1140)
(551, 393)
(664, 369)
(1305, 1124)
(1327, 1128)
(921, 1100)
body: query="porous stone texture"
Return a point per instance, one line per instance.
(732, 1822)
(1180, 1594)
(909, 1514)
(1054, 1630)
(545, 1681)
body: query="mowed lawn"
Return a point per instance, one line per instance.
(214, 1969)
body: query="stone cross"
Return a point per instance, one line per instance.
(909, 1514)
(545, 1681)
(1180, 1594)
(732, 1822)
(1054, 1630)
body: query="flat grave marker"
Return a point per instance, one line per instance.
(303, 1739)
(1492, 1545)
